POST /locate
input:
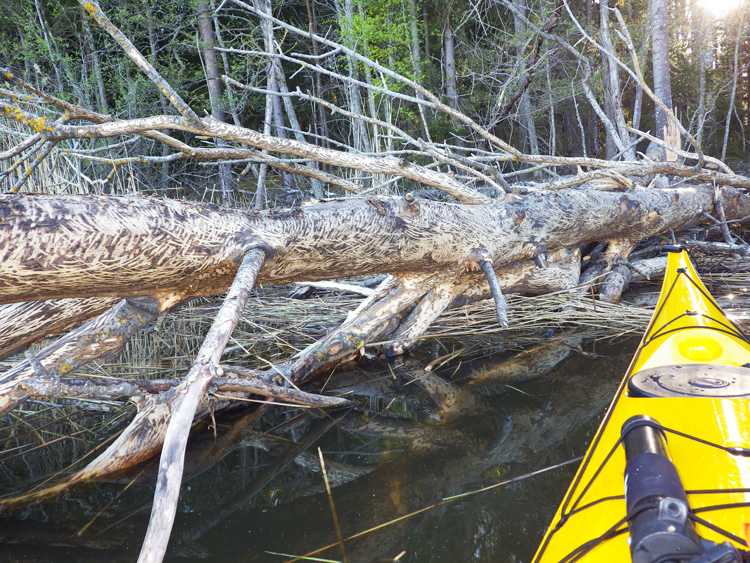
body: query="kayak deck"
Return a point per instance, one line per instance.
(689, 374)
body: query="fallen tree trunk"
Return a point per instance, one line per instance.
(85, 246)
(163, 252)
(42, 318)
(56, 247)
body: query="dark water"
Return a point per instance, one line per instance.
(408, 446)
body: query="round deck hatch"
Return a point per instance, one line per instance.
(692, 380)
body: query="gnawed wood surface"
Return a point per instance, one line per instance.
(103, 335)
(72, 246)
(185, 403)
(55, 247)
(22, 324)
(620, 276)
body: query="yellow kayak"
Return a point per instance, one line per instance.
(667, 476)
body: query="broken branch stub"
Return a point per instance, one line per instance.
(481, 257)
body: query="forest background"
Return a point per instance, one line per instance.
(528, 72)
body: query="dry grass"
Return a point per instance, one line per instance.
(46, 438)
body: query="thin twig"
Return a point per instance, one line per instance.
(334, 514)
(441, 503)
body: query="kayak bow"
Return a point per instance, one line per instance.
(667, 476)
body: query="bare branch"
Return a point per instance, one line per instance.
(684, 154)
(391, 74)
(93, 8)
(213, 128)
(650, 93)
(187, 398)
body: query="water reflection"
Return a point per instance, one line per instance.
(255, 488)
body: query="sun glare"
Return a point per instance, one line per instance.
(720, 8)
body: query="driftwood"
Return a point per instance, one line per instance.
(623, 274)
(157, 253)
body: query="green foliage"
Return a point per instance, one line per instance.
(382, 27)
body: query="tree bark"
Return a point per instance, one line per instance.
(524, 106)
(733, 91)
(612, 85)
(657, 11)
(57, 247)
(449, 59)
(43, 318)
(213, 81)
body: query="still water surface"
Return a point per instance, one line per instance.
(410, 445)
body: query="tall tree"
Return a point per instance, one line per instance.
(213, 80)
(524, 105)
(272, 83)
(360, 137)
(163, 104)
(703, 31)
(733, 89)
(657, 12)
(612, 87)
(449, 57)
(93, 55)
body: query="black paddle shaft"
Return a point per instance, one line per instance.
(657, 504)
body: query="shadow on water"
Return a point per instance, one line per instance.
(417, 437)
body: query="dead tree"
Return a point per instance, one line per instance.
(122, 261)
